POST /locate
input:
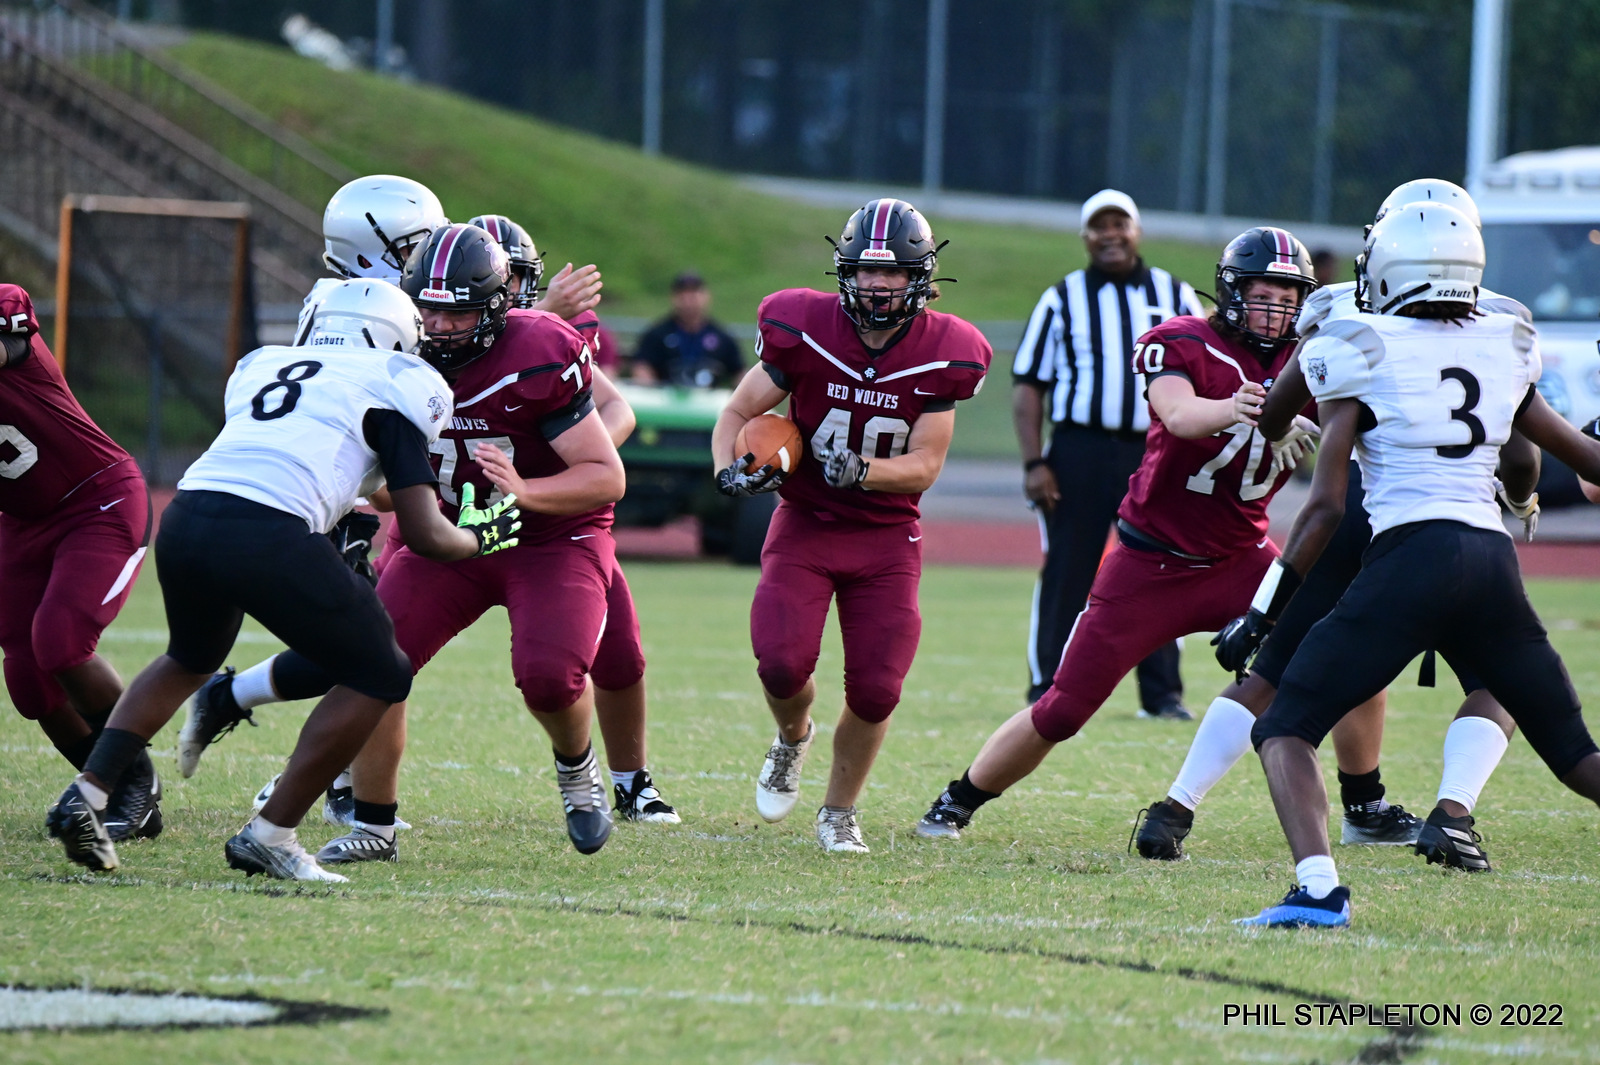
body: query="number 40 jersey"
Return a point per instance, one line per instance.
(1444, 394)
(298, 437)
(845, 395)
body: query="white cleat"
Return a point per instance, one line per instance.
(838, 831)
(287, 861)
(778, 786)
(265, 793)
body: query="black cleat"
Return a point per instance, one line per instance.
(945, 818)
(644, 803)
(1161, 836)
(1447, 840)
(134, 810)
(1390, 826)
(339, 806)
(584, 796)
(213, 713)
(1168, 712)
(79, 828)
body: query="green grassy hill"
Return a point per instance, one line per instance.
(585, 199)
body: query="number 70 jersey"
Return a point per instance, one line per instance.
(295, 437)
(1444, 395)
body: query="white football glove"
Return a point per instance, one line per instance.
(1297, 443)
(1527, 510)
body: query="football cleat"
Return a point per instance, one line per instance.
(1390, 826)
(584, 796)
(213, 713)
(1168, 712)
(1161, 836)
(838, 831)
(1451, 841)
(265, 793)
(1299, 910)
(339, 806)
(944, 820)
(134, 810)
(644, 803)
(778, 786)
(79, 828)
(287, 861)
(360, 844)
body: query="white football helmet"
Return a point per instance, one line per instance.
(372, 224)
(364, 313)
(1438, 190)
(1423, 252)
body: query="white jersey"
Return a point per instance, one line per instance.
(294, 438)
(1339, 301)
(1444, 395)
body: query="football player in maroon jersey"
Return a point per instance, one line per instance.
(74, 526)
(524, 424)
(872, 378)
(1193, 528)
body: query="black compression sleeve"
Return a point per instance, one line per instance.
(17, 349)
(554, 425)
(1527, 401)
(779, 378)
(401, 447)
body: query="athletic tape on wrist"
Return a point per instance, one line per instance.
(1277, 587)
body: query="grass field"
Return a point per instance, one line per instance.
(1036, 939)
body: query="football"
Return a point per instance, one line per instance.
(774, 441)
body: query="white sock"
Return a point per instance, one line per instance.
(96, 796)
(342, 781)
(268, 833)
(1219, 742)
(1473, 746)
(253, 687)
(1317, 875)
(386, 831)
(625, 778)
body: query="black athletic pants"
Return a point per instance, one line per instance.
(1433, 584)
(1092, 468)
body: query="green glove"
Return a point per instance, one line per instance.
(495, 527)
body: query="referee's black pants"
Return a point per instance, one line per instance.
(1092, 468)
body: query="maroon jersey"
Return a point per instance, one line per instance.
(48, 446)
(844, 394)
(532, 385)
(1205, 497)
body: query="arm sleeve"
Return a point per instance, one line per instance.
(553, 425)
(16, 346)
(401, 447)
(1036, 354)
(779, 378)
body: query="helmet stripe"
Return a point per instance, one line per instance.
(879, 227)
(441, 255)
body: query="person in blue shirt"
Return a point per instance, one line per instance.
(688, 348)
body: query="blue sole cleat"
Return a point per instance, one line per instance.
(1299, 910)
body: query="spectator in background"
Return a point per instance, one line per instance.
(688, 348)
(1325, 265)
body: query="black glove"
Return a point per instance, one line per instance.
(735, 481)
(352, 538)
(843, 468)
(1592, 430)
(1239, 640)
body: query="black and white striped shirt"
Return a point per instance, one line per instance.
(1079, 344)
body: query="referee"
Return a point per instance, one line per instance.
(1074, 369)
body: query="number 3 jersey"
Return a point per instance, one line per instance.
(843, 394)
(298, 436)
(534, 383)
(1205, 497)
(1444, 395)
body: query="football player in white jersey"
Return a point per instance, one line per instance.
(1426, 390)
(309, 429)
(1475, 741)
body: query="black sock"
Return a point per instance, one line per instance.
(576, 762)
(376, 813)
(1364, 790)
(113, 753)
(966, 794)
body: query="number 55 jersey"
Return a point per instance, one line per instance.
(349, 405)
(1206, 497)
(843, 395)
(1444, 395)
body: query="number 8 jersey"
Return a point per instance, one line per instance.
(1443, 394)
(845, 395)
(298, 437)
(1205, 497)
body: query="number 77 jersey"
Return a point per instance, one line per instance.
(842, 394)
(1205, 497)
(1443, 394)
